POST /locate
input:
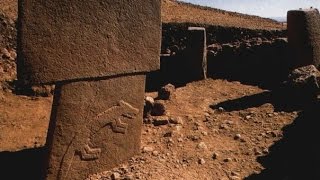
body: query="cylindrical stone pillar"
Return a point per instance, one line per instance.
(304, 37)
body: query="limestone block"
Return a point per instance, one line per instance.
(78, 39)
(95, 126)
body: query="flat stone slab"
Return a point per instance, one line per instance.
(304, 37)
(97, 126)
(78, 39)
(23, 122)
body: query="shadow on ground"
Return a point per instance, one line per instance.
(27, 164)
(283, 99)
(297, 155)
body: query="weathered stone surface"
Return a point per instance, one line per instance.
(197, 53)
(95, 126)
(305, 80)
(304, 37)
(77, 39)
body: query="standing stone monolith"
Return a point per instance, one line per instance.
(97, 53)
(304, 37)
(196, 54)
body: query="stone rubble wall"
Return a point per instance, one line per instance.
(258, 57)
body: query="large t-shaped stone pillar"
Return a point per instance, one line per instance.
(304, 37)
(97, 53)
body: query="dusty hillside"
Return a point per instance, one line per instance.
(174, 11)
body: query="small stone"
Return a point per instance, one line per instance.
(166, 92)
(147, 149)
(149, 100)
(220, 109)
(176, 120)
(148, 106)
(5, 53)
(170, 140)
(204, 133)
(147, 120)
(13, 55)
(180, 140)
(155, 153)
(206, 115)
(257, 152)
(265, 151)
(270, 115)
(158, 108)
(237, 136)
(243, 140)
(248, 117)
(160, 120)
(115, 176)
(274, 134)
(168, 134)
(194, 137)
(201, 161)
(227, 160)
(129, 177)
(229, 122)
(224, 126)
(178, 128)
(234, 173)
(215, 156)
(202, 145)
(235, 178)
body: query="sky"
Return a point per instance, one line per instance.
(263, 8)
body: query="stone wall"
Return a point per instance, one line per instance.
(257, 57)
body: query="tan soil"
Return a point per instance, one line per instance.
(175, 151)
(23, 121)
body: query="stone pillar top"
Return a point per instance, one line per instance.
(196, 28)
(77, 39)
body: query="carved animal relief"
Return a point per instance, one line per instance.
(114, 117)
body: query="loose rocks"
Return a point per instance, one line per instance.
(158, 108)
(166, 92)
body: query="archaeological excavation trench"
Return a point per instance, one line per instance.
(102, 71)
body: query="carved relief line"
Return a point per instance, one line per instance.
(114, 117)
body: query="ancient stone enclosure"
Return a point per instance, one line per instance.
(101, 71)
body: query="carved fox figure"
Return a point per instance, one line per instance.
(114, 117)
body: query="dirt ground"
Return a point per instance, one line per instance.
(212, 129)
(224, 128)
